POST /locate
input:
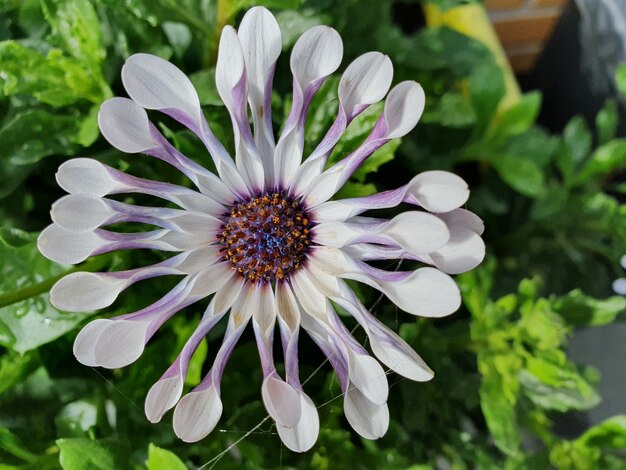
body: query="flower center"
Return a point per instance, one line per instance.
(266, 238)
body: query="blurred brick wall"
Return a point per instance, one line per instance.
(523, 27)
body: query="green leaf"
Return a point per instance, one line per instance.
(352, 189)
(31, 19)
(610, 434)
(52, 79)
(574, 148)
(34, 134)
(550, 204)
(522, 175)
(89, 131)
(497, 407)
(14, 237)
(76, 29)
(12, 444)
(579, 309)
(553, 383)
(204, 82)
(542, 327)
(294, 23)
(606, 122)
(606, 159)
(86, 454)
(15, 367)
(452, 110)
(535, 145)
(179, 37)
(486, 86)
(162, 459)
(516, 119)
(29, 136)
(194, 374)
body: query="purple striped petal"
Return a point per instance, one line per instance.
(85, 213)
(415, 232)
(87, 291)
(89, 176)
(230, 78)
(425, 291)
(119, 341)
(261, 43)
(165, 393)
(315, 56)
(436, 191)
(198, 412)
(403, 108)
(365, 82)
(155, 83)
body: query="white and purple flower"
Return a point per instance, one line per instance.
(263, 237)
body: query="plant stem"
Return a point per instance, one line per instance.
(9, 298)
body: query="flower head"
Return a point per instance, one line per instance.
(262, 237)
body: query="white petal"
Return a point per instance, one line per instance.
(211, 279)
(282, 401)
(622, 261)
(416, 232)
(231, 177)
(287, 306)
(261, 43)
(310, 298)
(162, 397)
(264, 310)
(197, 414)
(369, 377)
(195, 222)
(226, 296)
(230, 65)
(401, 358)
(368, 419)
(426, 292)
(125, 125)
(85, 342)
(464, 219)
(388, 347)
(86, 175)
(121, 343)
(464, 251)
(288, 155)
(316, 55)
(155, 83)
(403, 108)
(81, 212)
(85, 291)
(250, 165)
(67, 247)
(365, 81)
(439, 191)
(619, 286)
(304, 435)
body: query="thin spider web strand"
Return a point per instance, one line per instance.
(215, 460)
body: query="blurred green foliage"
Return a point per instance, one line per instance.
(555, 230)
